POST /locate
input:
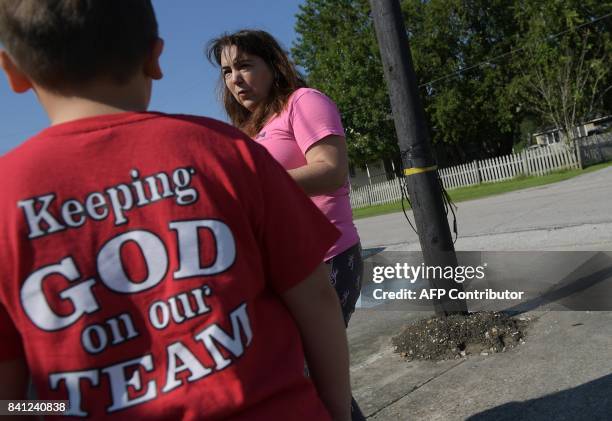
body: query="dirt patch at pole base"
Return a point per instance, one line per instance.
(458, 335)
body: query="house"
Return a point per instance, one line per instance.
(372, 172)
(552, 136)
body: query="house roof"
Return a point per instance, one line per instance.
(597, 120)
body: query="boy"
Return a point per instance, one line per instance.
(146, 267)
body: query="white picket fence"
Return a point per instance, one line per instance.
(376, 194)
(529, 162)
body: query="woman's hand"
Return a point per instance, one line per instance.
(326, 169)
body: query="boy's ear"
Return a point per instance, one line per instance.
(152, 67)
(17, 80)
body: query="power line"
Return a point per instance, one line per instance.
(489, 60)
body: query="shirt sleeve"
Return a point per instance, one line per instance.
(294, 235)
(10, 339)
(314, 116)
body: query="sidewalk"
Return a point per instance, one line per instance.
(562, 372)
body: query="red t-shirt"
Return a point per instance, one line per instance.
(142, 260)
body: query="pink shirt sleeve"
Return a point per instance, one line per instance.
(314, 116)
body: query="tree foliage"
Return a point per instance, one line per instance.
(483, 66)
(564, 77)
(337, 47)
(470, 114)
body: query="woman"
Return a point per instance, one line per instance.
(265, 97)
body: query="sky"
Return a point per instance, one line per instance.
(190, 82)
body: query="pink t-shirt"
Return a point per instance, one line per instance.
(309, 117)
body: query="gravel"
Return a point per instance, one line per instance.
(458, 336)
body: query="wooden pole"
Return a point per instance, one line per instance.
(413, 137)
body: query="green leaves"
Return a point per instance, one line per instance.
(337, 47)
(485, 67)
(562, 77)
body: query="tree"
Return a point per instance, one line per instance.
(467, 115)
(488, 69)
(336, 45)
(563, 73)
(471, 115)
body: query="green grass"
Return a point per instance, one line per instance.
(483, 190)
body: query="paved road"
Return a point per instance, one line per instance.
(575, 214)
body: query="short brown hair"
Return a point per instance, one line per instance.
(286, 78)
(60, 43)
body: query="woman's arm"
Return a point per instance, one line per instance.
(326, 169)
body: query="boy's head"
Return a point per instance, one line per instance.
(63, 44)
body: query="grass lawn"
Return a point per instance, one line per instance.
(489, 189)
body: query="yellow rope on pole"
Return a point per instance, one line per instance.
(417, 170)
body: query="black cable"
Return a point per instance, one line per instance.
(405, 196)
(446, 199)
(494, 58)
(448, 204)
(516, 50)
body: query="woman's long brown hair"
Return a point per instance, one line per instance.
(286, 78)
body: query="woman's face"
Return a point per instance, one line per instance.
(247, 77)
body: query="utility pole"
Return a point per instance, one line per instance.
(420, 168)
